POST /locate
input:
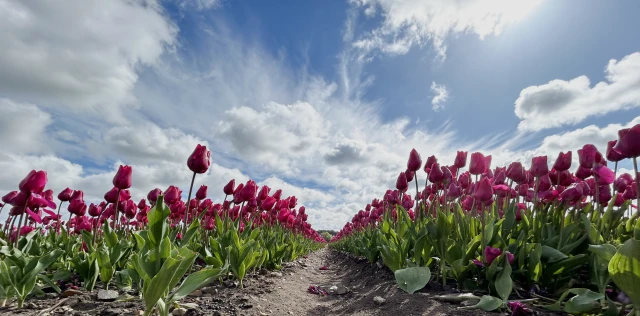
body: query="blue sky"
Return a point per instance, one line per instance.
(322, 98)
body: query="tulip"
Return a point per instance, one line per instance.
(65, 195)
(572, 193)
(410, 174)
(563, 162)
(34, 182)
(477, 165)
(415, 162)
(292, 202)
(588, 155)
(268, 203)
(112, 196)
(461, 159)
(491, 254)
(487, 163)
(201, 194)
(200, 159)
(613, 154)
(152, 196)
(583, 172)
(516, 173)
(436, 175)
(430, 161)
(401, 182)
(539, 166)
(484, 191)
(122, 179)
(125, 195)
(94, 210)
(248, 191)
(264, 193)
(142, 204)
(7, 198)
(277, 194)
(229, 188)
(77, 207)
(171, 195)
(629, 141)
(604, 175)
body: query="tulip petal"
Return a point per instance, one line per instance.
(34, 216)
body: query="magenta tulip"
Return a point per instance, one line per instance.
(563, 162)
(112, 195)
(152, 196)
(122, 179)
(430, 161)
(491, 254)
(34, 182)
(484, 191)
(477, 165)
(229, 189)
(171, 195)
(201, 194)
(461, 159)
(200, 159)
(613, 154)
(401, 182)
(588, 155)
(415, 162)
(539, 166)
(65, 195)
(629, 141)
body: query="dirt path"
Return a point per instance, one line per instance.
(364, 281)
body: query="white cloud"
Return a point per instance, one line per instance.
(417, 22)
(559, 102)
(78, 54)
(441, 95)
(22, 127)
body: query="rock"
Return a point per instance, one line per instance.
(31, 306)
(275, 274)
(209, 290)
(333, 290)
(179, 311)
(456, 298)
(107, 295)
(379, 300)
(379, 265)
(468, 303)
(342, 290)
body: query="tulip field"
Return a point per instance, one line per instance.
(545, 237)
(542, 237)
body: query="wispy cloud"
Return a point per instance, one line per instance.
(440, 96)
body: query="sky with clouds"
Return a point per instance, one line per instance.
(323, 99)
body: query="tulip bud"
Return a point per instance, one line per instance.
(200, 159)
(171, 195)
(202, 193)
(563, 162)
(34, 182)
(112, 195)
(604, 174)
(268, 203)
(229, 188)
(415, 162)
(77, 207)
(436, 175)
(588, 155)
(410, 174)
(401, 182)
(248, 191)
(539, 166)
(77, 195)
(491, 254)
(477, 165)
(461, 159)
(583, 172)
(122, 179)
(152, 196)
(430, 161)
(264, 193)
(292, 202)
(277, 195)
(484, 191)
(94, 210)
(9, 196)
(142, 204)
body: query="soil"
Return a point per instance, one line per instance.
(279, 293)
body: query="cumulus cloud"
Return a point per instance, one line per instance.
(560, 102)
(78, 54)
(22, 127)
(441, 95)
(406, 23)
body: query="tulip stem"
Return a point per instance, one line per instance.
(417, 200)
(635, 168)
(24, 210)
(58, 218)
(186, 214)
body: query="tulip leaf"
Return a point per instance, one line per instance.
(412, 279)
(604, 251)
(552, 255)
(503, 283)
(195, 281)
(489, 303)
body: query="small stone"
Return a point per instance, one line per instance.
(333, 290)
(342, 290)
(379, 300)
(379, 265)
(107, 295)
(179, 311)
(468, 303)
(275, 274)
(31, 306)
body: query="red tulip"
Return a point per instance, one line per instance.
(572, 194)
(125, 195)
(539, 166)
(248, 191)
(583, 172)
(415, 162)
(588, 155)
(491, 254)
(484, 191)
(202, 193)
(112, 195)
(409, 174)
(516, 172)
(563, 162)
(77, 207)
(34, 182)
(277, 194)
(613, 154)
(268, 203)
(229, 188)
(171, 195)
(122, 179)
(401, 182)
(200, 159)
(430, 161)
(487, 163)
(77, 195)
(477, 165)
(152, 196)
(10, 196)
(292, 202)
(65, 195)
(461, 159)
(436, 175)
(142, 204)
(604, 174)
(629, 142)
(94, 210)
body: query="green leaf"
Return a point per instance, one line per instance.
(624, 269)
(193, 228)
(489, 303)
(48, 282)
(42, 263)
(552, 255)
(503, 283)
(604, 251)
(584, 301)
(195, 281)
(412, 279)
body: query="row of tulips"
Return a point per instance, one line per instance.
(567, 240)
(147, 246)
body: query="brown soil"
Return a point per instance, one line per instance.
(280, 293)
